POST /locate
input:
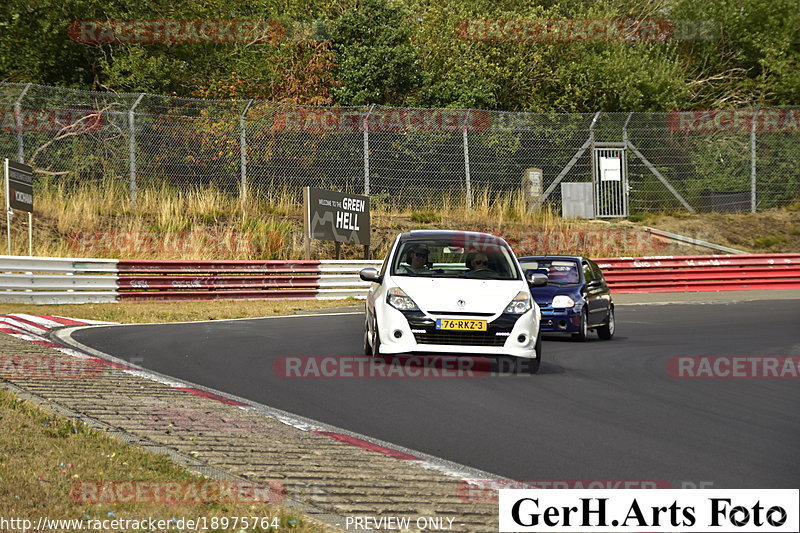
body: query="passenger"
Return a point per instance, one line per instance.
(477, 261)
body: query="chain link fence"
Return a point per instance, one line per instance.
(714, 161)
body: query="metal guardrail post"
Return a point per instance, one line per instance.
(366, 149)
(243, 152)
(18, 123)
(132, 150)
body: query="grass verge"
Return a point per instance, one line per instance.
(132, 312)
(43, 456)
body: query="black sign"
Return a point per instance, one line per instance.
(334, 216)
(19, 184)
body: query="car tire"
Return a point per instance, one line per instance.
(606, 332)
(535, 364)
(583, 334)
(367, 345)
(376, 340)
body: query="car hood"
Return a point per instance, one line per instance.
(443, 294)
(544, 295)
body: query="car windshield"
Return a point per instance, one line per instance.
(455, 257)
(559, 271)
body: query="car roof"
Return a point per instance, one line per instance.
(553, 257)
(442, 233)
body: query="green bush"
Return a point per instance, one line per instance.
(425, 217)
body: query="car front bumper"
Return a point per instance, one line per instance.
(415, 332)
(561, 320)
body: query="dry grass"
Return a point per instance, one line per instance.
(43, 455)
(96, 220)
(149, 312)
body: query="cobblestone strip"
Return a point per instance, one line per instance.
(325, 477)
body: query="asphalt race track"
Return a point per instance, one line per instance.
(603, 410)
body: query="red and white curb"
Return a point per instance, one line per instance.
(35, 328)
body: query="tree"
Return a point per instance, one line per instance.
(376, 63)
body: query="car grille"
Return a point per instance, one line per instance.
(427, 333)
(470, 338)
(459, 313)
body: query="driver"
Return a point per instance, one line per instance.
(417, 259)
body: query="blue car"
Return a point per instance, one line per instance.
(576, 298)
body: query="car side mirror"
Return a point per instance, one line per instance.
(370, 274)
(594, 283)
(535, 279)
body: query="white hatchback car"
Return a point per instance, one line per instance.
(453, 292)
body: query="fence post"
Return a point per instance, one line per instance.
(18, 123)
(753, 162)
(132, 150)
(467, 180)
(243, 152)
(625, 130)
(627, 191)
(366, 149)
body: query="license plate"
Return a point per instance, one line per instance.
(460, 325)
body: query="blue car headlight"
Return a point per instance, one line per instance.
(563, 301)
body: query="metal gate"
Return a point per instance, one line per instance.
(610, 169)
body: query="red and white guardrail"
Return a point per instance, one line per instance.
(693, 273)
(56, 280)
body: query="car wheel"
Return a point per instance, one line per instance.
(367, 345)
(535, 364)
(583, 333)
(376, 340)
(607, 331)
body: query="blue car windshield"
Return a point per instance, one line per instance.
(559, 271)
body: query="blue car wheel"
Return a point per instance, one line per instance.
(583, 332)
(606, 331)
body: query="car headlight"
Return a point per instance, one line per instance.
(398, 299)
(563, 301)
(520, 304)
